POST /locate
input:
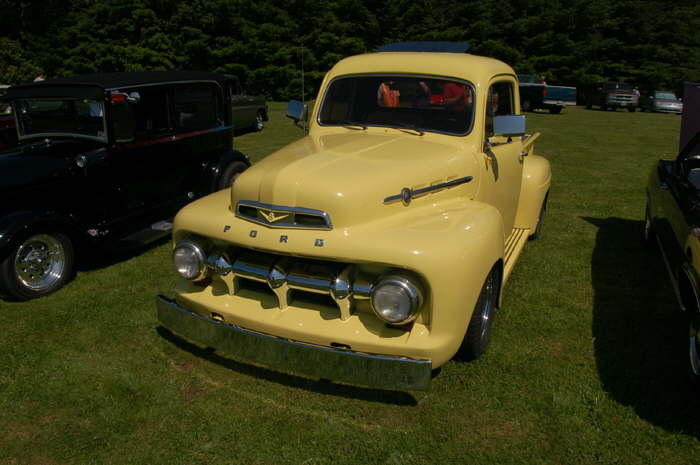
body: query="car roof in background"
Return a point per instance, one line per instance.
(94, 85)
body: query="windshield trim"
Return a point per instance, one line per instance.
(469, 129)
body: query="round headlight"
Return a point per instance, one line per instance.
(189, 261)
(396, 300)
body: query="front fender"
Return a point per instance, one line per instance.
(537, 177)
(16, 224)
(215, 168)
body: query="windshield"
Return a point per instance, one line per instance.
(62, 117)
(420, 103)
(666, 95)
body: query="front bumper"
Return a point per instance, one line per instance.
(377, 371)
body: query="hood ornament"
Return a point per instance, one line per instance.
(280, 216)
(271, 216)
(407, 194)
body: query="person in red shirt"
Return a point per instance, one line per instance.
(456, 96)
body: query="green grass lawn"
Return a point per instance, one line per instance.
(586, 363)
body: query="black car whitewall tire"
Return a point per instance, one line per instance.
(478, 333)
(230, 174)
(37, 265)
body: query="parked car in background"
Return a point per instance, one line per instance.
(664, 101)
(612, 95)
(106, 160)
(535, 95)
(672, 220)
(249, 111)
(375, 248)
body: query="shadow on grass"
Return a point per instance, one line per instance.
(91, 258)
(640, 332)
(318, 386)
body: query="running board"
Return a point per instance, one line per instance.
(514, 246)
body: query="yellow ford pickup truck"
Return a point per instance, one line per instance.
(375, 248)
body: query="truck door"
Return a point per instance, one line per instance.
(503, 161)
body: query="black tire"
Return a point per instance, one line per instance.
(538, 229)
(648, 238)
(642, 109)
(526, 105)
(478, 335)
(631, 109)
(230, 173)
(604, 107)
(38, 264)
(259, 123)
(555, 110)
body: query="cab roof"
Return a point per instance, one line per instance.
(473, 68)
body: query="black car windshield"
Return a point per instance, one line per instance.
(60, 117)
(411, 102)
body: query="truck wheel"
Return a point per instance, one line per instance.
(604, 107)
(631, 109)
(37, 266)
(555, 110)
(230, 174)
(259, 121)
(478, 333)
(526, 105)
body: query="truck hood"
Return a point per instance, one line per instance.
(348, 176)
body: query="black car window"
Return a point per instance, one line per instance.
(150, 112)
(196, 107)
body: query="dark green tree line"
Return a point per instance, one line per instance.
(650, 43)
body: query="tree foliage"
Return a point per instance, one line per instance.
(650, 43)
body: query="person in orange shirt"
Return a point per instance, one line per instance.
(387, 95)
(456, 96)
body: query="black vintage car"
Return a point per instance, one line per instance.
(673, 220)
(106, 160)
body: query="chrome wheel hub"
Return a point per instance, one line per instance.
(39, 262)
(488, 305)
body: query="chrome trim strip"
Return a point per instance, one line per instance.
(285, 275)
(282, 209)
(378, 371)
(407, 194)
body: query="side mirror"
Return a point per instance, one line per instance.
(297, 111)
(509, 125)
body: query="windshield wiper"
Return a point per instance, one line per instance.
(353, 125)
(407, 128)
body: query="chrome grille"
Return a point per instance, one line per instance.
(284, 275)
(277, 216)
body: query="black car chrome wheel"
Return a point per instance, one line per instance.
(647, 229)
(694, 358)
(479, 330)
(38, 265)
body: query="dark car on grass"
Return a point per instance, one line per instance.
(249, 112)
(106, 160)
(673, 220)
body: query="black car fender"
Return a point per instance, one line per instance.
(19, 223)
(215, 168)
